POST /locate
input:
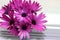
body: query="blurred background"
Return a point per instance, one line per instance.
(52, 10)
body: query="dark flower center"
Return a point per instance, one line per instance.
(32, 11)
(24, 27)
(16, 28)
(11, 22)
(33, 22)
(24, 15)
(6, 12)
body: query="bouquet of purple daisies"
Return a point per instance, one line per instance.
(20, 18)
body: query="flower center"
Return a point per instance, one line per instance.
(6, 12)
(11, 22)
(24, 27)
(33, 22)
(32, 11)
(24, 15)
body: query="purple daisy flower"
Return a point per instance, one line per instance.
(37, 22)
(24, 30)
(21, 11)
(22, 15)
(9, 22)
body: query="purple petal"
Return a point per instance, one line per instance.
(5, 18)
(28, 36)
(20, 33)
(4, 25)
(41, 22)
(41, 16)
(40, 28)
(11, 14)
(21, 36)
(24, 34)
(2, 12)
